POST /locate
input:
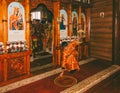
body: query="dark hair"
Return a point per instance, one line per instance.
(64, 44)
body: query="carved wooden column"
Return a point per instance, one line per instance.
(27, 17)
(79, 17)
(4, 21)
(70, 20)
(5, 34)
(56, 9)
(2, 75)
(1, 25)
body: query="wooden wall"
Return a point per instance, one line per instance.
(101, 29)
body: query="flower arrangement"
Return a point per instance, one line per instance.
(16, 46)
(68, 39)
(1, 48)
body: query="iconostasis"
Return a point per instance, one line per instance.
(50, 23)
(14, 41)
(75, 27)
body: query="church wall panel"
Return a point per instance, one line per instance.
(101, 29)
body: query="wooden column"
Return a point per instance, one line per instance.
(116, 33)
(1, 25)
(70, 20)
(79, 27)
(87, 24)
(4, 21)
(56, 50)
(53, 38)
(27, 17)
(5, 33)
(79, 17)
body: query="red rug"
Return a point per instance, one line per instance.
(47, 85)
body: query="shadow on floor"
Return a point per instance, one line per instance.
(42, 58)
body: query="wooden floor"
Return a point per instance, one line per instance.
(46, 85)
(41, 61)
(109, 85)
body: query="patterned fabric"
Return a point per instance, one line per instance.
(69, 57)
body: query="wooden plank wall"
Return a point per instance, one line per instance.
(101, 29)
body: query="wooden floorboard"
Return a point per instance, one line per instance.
(41, 62)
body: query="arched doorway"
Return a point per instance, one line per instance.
(41, 34)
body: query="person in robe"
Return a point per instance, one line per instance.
(20, 22)
(69, 57)
(15, 19)
(62, 25)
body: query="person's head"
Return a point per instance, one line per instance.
(34, 21)
(16, 10)
(64, 44)
(74, 15)
(20, 15)
(62, 15)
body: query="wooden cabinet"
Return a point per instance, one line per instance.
(17, 64)
(1, 67)
(14, 65)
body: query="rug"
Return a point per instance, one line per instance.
(65, 81)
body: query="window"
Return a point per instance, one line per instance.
(36, 15)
